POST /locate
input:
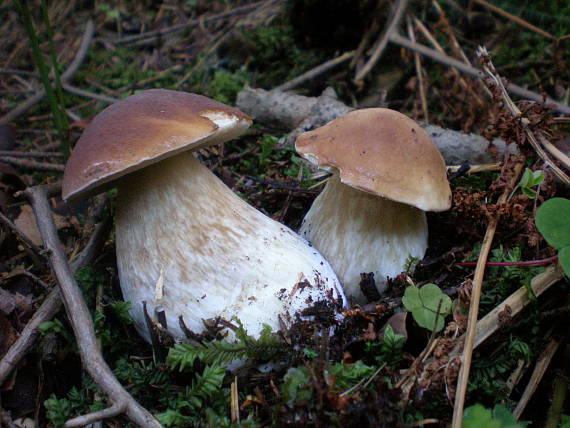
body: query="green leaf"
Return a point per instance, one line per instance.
(553, 222)
(564, 259)
(297, 385)
(478, 416)
(423, 303)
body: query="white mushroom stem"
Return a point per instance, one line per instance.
(358, 232)
(179, 227)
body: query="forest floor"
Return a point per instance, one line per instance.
(382, 366)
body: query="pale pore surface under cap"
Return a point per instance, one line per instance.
(383, 152)
(217, 255)
(359, 232)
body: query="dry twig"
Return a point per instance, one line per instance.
(65, 78)
(490, 71)
(419, 72)
(474, 303)
(382, 41)
(537, 374)
(82, 324)
(42, 166)
(52, 303)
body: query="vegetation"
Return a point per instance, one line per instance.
(389, 363)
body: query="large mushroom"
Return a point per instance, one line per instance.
(185, 242)
(370, 216)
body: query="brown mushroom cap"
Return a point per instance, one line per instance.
(382, 152)
(144, 129)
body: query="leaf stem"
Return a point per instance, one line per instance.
(541, 262)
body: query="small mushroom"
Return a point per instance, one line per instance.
(370, 216)
(185, 242)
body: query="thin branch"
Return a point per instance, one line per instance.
(515, 303)
(42, 166)
(14, 154)
(156, 34)
(52, 303)
(396, 16)
(311, 74)
(515, 19)
(460, 79)
(490, 71)
(38, 252)
(90, 418)
(474, 304)
(79, 317)
(472, 71)
(65, 77)
(540, 368)
(419, 71)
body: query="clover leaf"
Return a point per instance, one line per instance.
(553, 222)
(424, 302)
(530, 179)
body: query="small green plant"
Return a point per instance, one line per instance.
(297, 385)
(427, 304)
(553, 222)
(59, 410)
(529, 180)
(188, 404)
(389, 351)
(478, 416)
(54, 93)
(183, 355)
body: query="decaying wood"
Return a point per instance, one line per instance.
(287, 111)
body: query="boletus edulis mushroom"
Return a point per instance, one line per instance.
(184, 240)
(370, 216)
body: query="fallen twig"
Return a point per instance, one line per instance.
(541, 365)
(52, 303)
(516, 19)
(156, 34)
(13, 154)
(38, 254)
(490, 71)
(378, 49)
(314, 72)
(515, 303)
(65, 77)
(472, 71)
(474, 303)
(42, 166)
(419, 71)
(81, 322)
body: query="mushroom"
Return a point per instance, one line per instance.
(370, 216)
(184, 241)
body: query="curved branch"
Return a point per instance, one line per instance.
(78, 314)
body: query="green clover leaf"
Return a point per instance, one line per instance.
(423, 303)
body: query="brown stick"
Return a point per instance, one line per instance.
(419, 71)
(42, 166)
(397, 14)
(516, 19)
(537, 374)
(474, 304)
(79, 318)
(65, 77)
(52, 303)
(314, 72)
(472, 71)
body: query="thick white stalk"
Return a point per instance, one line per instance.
(179, 227)
(358, 232)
